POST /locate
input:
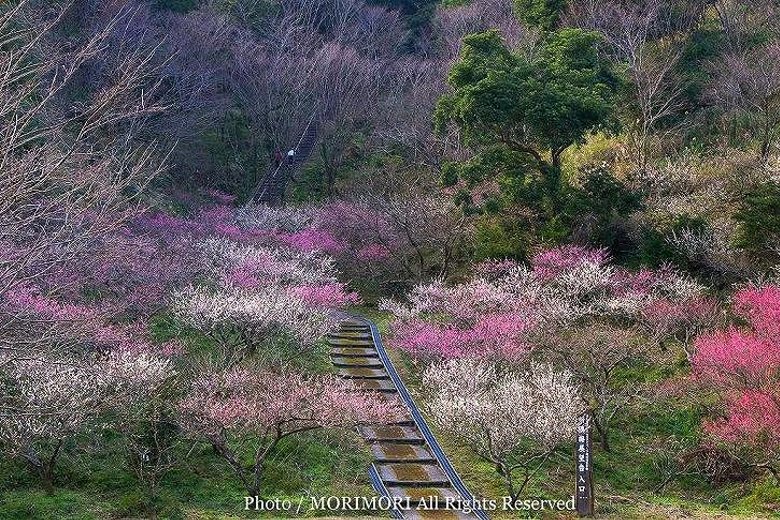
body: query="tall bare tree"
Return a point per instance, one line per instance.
(748, 83)
(644, 35)
(71, 167)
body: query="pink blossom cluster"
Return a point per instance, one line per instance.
(328, 295)
(761, 307)
(753, 418)
(492, 313)
(373, 253)
(497, 336)
(260, 403)
(363, 233)
(78, 326)
(309, 240)
(752, 354)
(552, 263)
(743, 364)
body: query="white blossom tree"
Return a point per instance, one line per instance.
(47, 403)
(513, 420)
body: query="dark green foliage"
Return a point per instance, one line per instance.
(417, 14)
(599, 209)
(500, 238)
(530, 106)
(542, 14)
(519, 115)
(703, 45)
(654, 250)
(180, 6)
(759, 219)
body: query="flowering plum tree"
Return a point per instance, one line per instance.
(595, 354)
(743, 366)
(242, 320)
(242, 411)
(513, 420)
(494, 313)
(46, 403)
(272, 281)
(396, 236)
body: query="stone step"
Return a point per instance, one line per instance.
(354, 352)
(404, 421)
(357, 361)
(353, 323)
(350, 335)
(386, 452)
(350, 342)
(379, 385)
(394, 434)
(362, 373)
(412, 474)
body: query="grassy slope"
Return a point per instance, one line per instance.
(98, 486)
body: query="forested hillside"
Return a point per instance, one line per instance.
(552, 209)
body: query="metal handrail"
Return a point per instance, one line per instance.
(419, 420)
(265, 181)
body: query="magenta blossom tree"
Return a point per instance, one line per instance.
(242, 411)
(742, 364)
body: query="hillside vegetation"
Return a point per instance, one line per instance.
(550, 207)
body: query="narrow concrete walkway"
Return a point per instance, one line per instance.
(408, 462)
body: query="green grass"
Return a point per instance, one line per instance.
(99, 486)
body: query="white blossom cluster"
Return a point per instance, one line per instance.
(495, 412)
(262, 216)
(259, 312)
(280, 265)
(589, 289)
(48, 400)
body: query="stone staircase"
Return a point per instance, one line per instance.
(408, 463)
(274, 184)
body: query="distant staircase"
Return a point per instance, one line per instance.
(273, 185)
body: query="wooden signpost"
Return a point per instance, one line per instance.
(584, 457)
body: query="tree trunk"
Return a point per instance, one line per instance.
(47, 479)
(602, 432)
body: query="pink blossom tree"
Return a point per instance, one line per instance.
(404, 234)
(743, 366)
(252, 411)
